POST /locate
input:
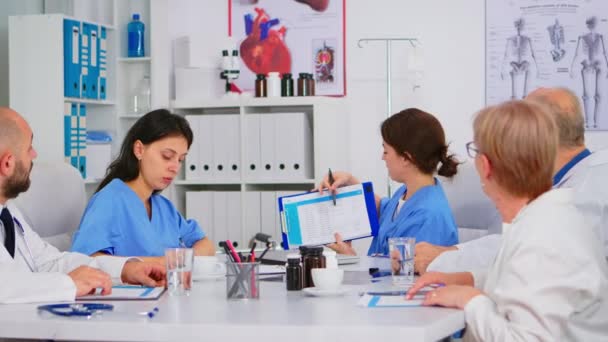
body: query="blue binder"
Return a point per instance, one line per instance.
(82, 140)
(103, 62)
(90, 60)
(71, 58)
(85, 67)
(70, 133)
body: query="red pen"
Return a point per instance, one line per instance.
(235, 255)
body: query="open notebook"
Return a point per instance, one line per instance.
(127, 292)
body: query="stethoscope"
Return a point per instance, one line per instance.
(76, 310)
(31, 265)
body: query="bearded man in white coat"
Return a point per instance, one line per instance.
(33, 270)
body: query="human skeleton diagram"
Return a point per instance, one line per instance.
(590, 47)
(518, 54)
(556, 34)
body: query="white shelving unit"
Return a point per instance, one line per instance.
(329, 119)
(36, 70)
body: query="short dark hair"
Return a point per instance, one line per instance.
(418, 136)
(151, 127)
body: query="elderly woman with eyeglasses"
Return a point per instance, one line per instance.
(549, 281)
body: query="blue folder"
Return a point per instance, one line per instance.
(70, 133)
(82, 140)
(90, 60)
(103, 62)
(299, 210)
(71, 58)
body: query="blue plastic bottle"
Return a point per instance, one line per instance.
(135, 31)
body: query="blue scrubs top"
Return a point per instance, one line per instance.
(116, 222)
(425, 216)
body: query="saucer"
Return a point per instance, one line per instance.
(316, 292)
(208, 276)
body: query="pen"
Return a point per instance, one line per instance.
(252, 252)
(330, 177)
(235, 255)
(227, 251)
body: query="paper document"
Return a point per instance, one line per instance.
(127, 292)
(389, 301)
(312, 219)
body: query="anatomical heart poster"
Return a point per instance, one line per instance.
(549, 43)
(290, 36)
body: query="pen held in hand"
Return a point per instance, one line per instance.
(330, 178)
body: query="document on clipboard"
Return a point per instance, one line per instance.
(126, 292)
(310, 218)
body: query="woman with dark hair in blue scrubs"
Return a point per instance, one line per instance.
(414, 145)
(128, 215)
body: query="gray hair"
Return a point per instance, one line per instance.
(563, 104)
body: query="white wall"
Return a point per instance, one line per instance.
(8, 8)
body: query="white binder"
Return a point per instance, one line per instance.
(253, 166)
(226, 147)
(220, 216)
(232, 142)
(267, 146)
(252, 213)
(293, 148)
(199, 206)
(233, 224)
(193, 169)
(205, 147)
(269, 213)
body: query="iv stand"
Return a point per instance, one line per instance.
(388, 42)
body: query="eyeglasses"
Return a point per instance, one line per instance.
(472, 150)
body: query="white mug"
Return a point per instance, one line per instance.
(208, 265)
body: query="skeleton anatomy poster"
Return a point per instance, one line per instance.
(542, 43)
(291, 36)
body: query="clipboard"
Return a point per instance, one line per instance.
(126, 292)
(310, 219)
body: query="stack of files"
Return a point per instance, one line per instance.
(75, 136)
(278, 146)
(85, 60)
(217, 212)
(215, 151)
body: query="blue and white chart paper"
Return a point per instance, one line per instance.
(310, 219)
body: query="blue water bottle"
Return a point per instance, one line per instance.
(135, 31)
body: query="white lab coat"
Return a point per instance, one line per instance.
(549, 281)
(479, 253)
(38, 273)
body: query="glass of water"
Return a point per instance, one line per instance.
(401, 252)
(179, 270)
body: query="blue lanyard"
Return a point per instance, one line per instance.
(561, 173)
(78, 310)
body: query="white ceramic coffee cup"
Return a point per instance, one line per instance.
(208, 265)
(327, 279)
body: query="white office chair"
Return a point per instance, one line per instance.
(54, 203)
(473, 211)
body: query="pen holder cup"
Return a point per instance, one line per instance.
(242, 280)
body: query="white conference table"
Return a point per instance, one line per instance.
(206, 315)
